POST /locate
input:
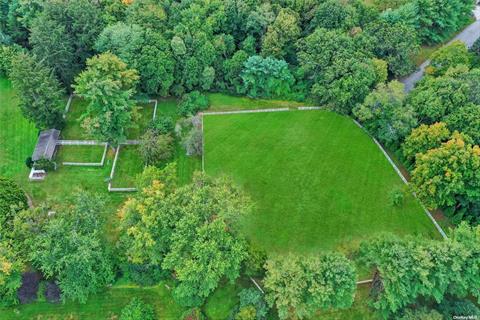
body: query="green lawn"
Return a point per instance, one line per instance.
(129, 164)
(144, 116)
(17, 135)
(73, 126)
(104, 305)
(318, 181)
(223, 102)
(79, 154)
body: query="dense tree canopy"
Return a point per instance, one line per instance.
(188, 230)
(108, 86)
(409, 269)
(65, 244)
(12, 200)
(384, 114)
(299, 286)
(39, 91)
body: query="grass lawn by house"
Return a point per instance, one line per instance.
(319, 181)
(224, 102)
(79, 153)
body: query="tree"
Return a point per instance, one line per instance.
(155, 148)
(434, 98)
(136, 309)
(193, 102)
(63, 35)
(68, 247)
(108, 86)
(439, 19)
(232, 69)
(413, 270)
(266, 77)
(299, 286)
(332, 14)
(424, 138)
(466, 120)
(384, 114)
(189, 230)
(279, 40)
(449, 56)
(142, 49)
(11, 268)
(12, 200)
(339, 73)
(39, 91)
(396, 43)
(449, 175)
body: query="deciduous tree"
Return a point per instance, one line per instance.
(108, 86)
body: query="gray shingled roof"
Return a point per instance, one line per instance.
(45, 148)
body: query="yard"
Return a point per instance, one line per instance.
(319, 182)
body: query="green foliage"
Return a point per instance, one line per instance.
(439, 19)
(384, 114)
(466, 120)
(448, 175)
(266, 77)
(162, 125)
(252, 305)
(155, 148)
(396, 43)
(63, 34)
(299, 286)
(333, 14)
(449, 56)
(68, 246)
(143, 49)
(11, 268)
(464, 307)
(12, 200)
(232, 69)
(7, 54)
(339, 73)
(412, 270)
(45, 164)
(39, 91)
(419, 314)
(136, 309)
(397, 196)
(188, 230)
(192, 103)
(108, 86)
(424, 138)
(281, 35)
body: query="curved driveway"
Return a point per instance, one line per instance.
(469, 35)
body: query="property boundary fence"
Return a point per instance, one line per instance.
(435, 223)
(87, 164)
(114, 165)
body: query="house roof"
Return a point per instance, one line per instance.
(45, 148)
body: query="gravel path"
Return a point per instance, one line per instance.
(469, 35)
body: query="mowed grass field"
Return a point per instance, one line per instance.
(319, 182)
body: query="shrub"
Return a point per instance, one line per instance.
(7, 53)
(29, 162)
(255, 261)
(246, 313)
(162, 125)
(397, 197)
(192, 103)
(137, 310)
(144, 274)
(12, 199)
(251, 298)
(45, 164)
(155, 148)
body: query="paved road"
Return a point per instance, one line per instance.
(469, 35)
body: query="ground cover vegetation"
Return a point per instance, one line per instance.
(182, 239)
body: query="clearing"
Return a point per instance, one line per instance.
(319, 181)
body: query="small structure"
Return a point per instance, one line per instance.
(45, 149)
(46, 145)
